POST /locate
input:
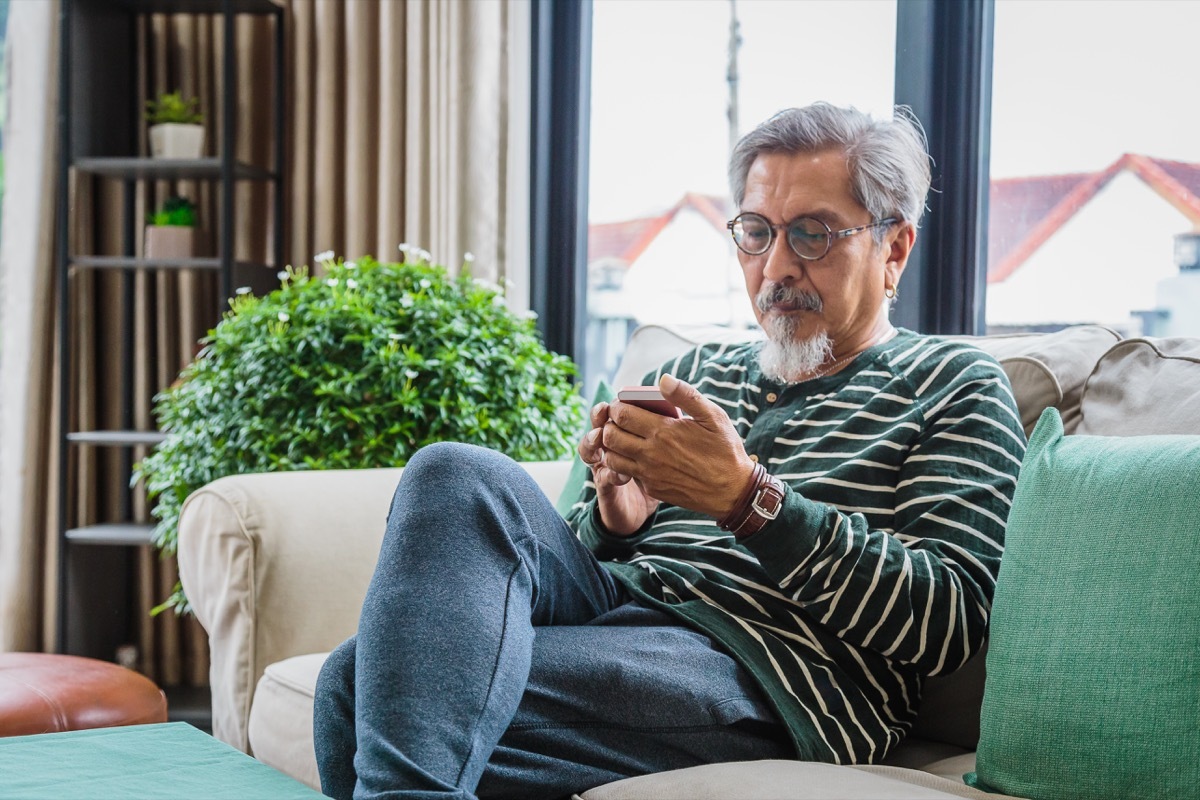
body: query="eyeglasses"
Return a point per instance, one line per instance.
(808, 237)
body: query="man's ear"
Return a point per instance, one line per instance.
(897, 246)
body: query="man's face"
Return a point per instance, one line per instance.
(849, 281)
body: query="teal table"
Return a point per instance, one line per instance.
(169, 760)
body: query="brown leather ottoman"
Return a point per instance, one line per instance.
(46, 693)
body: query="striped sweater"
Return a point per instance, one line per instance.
(881, 566)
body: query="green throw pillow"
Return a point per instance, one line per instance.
(579, 471)
(1093, 670)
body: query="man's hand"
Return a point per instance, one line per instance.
(623, 504)
(698, 462)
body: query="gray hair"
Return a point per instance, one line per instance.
(888, 159)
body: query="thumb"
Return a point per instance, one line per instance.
(687, 397)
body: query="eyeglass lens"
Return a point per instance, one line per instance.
(808, 237)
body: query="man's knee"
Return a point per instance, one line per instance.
(456, 463)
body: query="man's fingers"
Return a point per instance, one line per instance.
(599, 414)
(687, 398)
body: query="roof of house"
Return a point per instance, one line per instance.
(628, 239)
(1023, 213)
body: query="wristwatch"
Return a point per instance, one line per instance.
(763, 505)
(766, 505)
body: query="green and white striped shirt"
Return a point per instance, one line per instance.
(881, 566)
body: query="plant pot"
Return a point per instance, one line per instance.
(174, 140)
(165, 242)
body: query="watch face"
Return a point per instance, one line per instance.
(768, 501)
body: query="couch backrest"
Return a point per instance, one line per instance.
(1144, 386)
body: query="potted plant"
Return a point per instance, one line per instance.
(171, 231)
(357, 367)
(175, 129)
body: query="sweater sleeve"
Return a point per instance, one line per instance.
(920, 590)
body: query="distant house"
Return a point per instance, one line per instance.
(1096, 247)
(677, 267)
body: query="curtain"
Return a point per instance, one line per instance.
(407, 120)
(28, 413)
(404, 122)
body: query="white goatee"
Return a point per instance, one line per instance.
(782, 357)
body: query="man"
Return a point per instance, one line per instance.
(772, 575)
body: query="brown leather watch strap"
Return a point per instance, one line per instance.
(760, 503)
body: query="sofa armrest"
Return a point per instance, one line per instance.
(276, 565)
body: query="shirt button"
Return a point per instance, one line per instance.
(754, 458)
(772, 397)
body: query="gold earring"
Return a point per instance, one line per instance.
(891, 293)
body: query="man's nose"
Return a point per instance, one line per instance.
(781, 263)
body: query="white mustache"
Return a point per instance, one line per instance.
(783, 294)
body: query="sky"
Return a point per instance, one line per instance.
(1076, 84)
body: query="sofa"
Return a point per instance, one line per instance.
(276, 567)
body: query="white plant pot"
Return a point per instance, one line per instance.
(173, 140)
(164, 242)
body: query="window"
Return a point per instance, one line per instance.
(1095, 167)
(658, 250)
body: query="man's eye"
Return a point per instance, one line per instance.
(806, 234)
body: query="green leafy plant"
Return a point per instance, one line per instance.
(173, 107)
(175, 211)
(359, 367)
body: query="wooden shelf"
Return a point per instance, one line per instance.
(131, 262)
(112, 533)
(169, 169)
(117, 438)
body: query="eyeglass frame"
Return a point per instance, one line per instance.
(830, 234)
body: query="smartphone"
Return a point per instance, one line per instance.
(649, 398)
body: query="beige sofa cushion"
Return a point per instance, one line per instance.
(787, 780)
(1144, 386)
(281, 721)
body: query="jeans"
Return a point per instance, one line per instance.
(496, 657)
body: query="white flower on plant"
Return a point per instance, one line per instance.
(282, 275)
(405, 247)
(424, 255)
(528, 313)
(468, 257)
(406, 301)
(425, 283)
(331, 282)
(242, 290)
(350, 265)
(283, 316)
(396, 337)
(486, 284)
(327, 255)
(498, 300)
(351, 283)
(411, 373)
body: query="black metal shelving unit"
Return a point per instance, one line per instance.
(98, 125)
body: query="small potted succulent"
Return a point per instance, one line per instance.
(175, 126)
(171, 230)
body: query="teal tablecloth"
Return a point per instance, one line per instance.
(170, 760)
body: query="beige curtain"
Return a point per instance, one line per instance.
(405, 121)
(28, 413)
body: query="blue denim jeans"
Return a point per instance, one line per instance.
(495, 657)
